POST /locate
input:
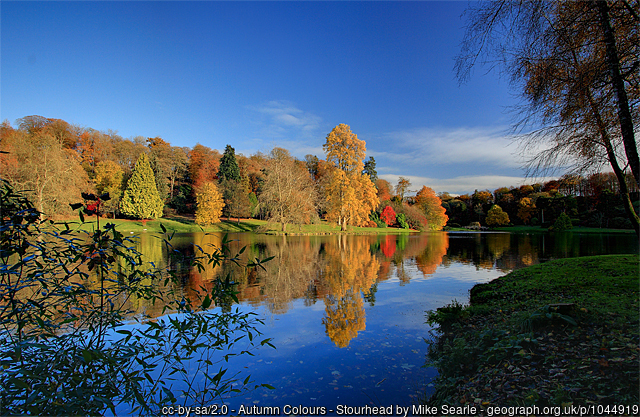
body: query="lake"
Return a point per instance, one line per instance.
(347, 312)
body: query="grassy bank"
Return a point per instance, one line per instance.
(560, 333)
(186, 225)
(579, 229)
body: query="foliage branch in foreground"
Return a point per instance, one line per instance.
(68, 343)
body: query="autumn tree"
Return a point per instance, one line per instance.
(384, 189)
(311, 162)
(60, 130)
(94, 147)
(288, 193)
(141, 199)
(109, 178)
(402, 187)
(497, 217)
(126, 152)
(236, 200)
(209, 204)
(576, 64)
(526, 208)
(204, 164)
(351, 195)
(388, 215)
(431, 206)
(42, 166)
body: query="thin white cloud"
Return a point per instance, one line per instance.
(282, 118)
(485, 146)
(464, 184)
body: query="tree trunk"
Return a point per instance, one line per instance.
(613, 161)
(624, 114)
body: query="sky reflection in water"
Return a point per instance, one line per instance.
(346, 313)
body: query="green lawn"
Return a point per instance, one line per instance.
(185, 225)
(538, 229)
(562, 332)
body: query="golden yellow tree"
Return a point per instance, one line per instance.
(210, 204)
(349, 272)
(351, 195)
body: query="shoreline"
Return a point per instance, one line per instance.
(561, 333)
(184, 224)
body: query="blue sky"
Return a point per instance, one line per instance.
(262, 74)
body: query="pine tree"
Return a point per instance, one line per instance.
(229, 169)
(370, 169)
(141, 199)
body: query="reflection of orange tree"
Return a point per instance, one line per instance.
(349, 270)
(435, 248)
(428, 249)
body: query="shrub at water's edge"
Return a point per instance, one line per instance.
(64, 345)
(557, 333)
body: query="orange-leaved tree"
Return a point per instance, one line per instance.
(431, 205)
(350, 194)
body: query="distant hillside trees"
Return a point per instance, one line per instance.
(54, 161)
(38, 161)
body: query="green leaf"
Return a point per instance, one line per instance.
(206, 302)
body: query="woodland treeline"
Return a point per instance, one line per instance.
(592, 201)
(53, 162)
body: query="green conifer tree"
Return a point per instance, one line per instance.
(229, 168)
(141, 199)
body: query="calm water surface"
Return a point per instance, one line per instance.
(346, 313)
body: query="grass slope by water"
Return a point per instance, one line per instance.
(579, 229)
(182, 224)
(556, 334)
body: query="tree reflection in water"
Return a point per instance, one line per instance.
(350, 270)
(344, 271)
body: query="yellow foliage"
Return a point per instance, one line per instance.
(350, 194)
(345, 150)
(210, 204)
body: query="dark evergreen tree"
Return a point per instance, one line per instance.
(370, 169)
(229, 168)
(141, 199)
